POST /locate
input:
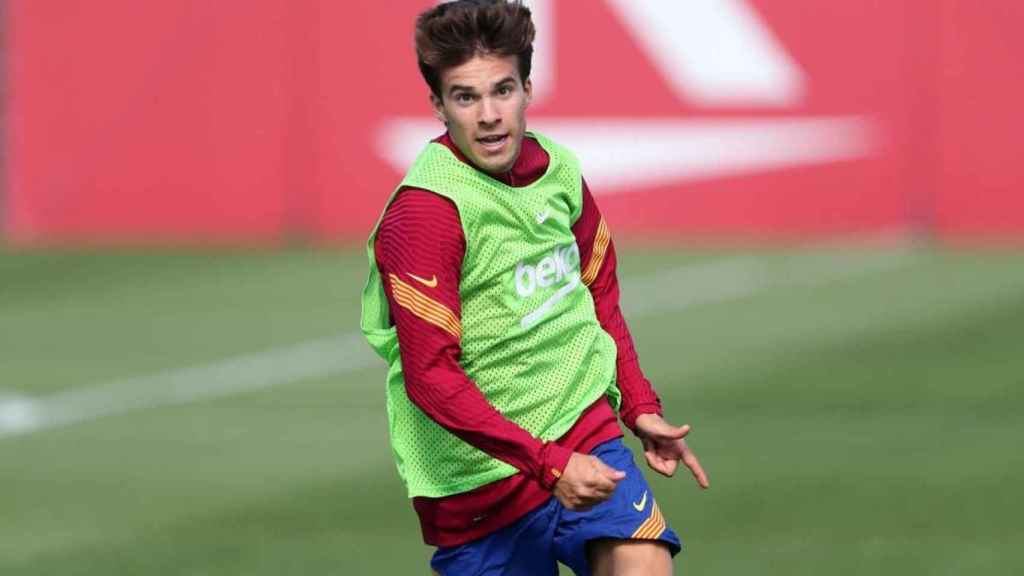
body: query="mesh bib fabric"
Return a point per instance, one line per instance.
(531, 340)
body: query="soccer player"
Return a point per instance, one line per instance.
(493, 296)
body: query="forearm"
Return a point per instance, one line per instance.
(638, 395)
(446, 395)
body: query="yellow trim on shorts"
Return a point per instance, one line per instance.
(653, 527)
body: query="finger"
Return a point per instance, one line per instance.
(669, 467)
(663, 466)
(600, 495)
(691, 462)
(604, 484)
(657, 463)
(594, 495)
(566, 501)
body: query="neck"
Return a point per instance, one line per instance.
(530, 163)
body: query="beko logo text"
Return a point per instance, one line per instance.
(562, 263)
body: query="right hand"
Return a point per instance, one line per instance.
(586, 481)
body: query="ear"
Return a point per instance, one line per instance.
(528, 88)
(438, 105)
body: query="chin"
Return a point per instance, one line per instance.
(494, 165)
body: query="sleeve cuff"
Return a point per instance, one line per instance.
(554, 459)
(629, 417)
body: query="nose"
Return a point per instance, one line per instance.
(489, 113)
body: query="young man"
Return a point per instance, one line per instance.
(492, 294)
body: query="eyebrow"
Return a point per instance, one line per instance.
(458, 87)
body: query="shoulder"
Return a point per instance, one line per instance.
(412, 207)
(418, 217)
(553, 147)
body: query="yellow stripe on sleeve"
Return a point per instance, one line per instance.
(601, 241)
(424, 307)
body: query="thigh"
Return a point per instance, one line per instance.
(629, 557)
(631, 514)
(522, 549)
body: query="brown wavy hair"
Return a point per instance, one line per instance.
(452, 33)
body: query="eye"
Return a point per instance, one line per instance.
(463, 98)
(505, 90)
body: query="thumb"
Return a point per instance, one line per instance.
(675, 432)
(609, 472)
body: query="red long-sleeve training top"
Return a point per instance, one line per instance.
(421, 235)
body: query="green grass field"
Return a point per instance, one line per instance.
(859, 412)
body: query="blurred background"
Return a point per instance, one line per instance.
(819, 214)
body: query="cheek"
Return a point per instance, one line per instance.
(458, 127)
(520, 111)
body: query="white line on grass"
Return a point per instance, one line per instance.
(670, 290)
(233, 375)
(16, 412)
(739, 277)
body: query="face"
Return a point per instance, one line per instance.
(484, 105)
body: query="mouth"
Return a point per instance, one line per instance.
(493, 143)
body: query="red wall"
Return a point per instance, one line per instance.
(979, 181)
(263, 120)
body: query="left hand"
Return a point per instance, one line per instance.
(664, 447)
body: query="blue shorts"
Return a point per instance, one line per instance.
(552, 533)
